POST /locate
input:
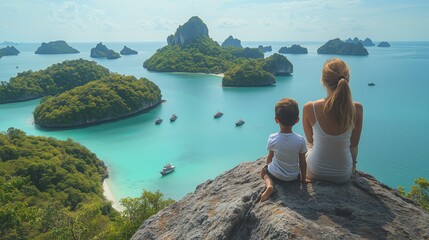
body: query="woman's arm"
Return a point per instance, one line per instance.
(354, 140)
(308, 129)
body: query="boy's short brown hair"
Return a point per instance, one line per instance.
(287, 111)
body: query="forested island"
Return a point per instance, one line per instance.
(53, 80)
(257, 72)
(55, 47)
(128, 51)
(265, 48)
(101, 51)
(366, 43)
(383, 44)
(52, 189)
(112, 97)
(336, 46)
(247, 74)
(8, 51)
(232, 42)
(294, 49)
(191, 49)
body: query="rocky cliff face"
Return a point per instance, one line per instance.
(193, 29)
(101, 51)
(228, 208)
(232, 42)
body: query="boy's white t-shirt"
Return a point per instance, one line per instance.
(286, 148)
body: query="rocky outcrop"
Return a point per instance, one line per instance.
(265, 48)
(228, 208)
(336, 46)
(8, 51)
(55, 47)
(101, 51)
(383, 44)
(193, 29)
(367, 42)
(294, 49)
(232, 42)
(128, 51)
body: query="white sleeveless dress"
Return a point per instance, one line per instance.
(330, 158)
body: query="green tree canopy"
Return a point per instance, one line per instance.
(249, 73)
(201, 55)
(53, 80)
(51, 189)
(111, 97)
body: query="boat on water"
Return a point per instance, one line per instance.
(371, 84)
(239, 123)
(158, 121)
(173, 118)
(168, 168)
(218, 115)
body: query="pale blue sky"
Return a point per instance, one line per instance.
(267, 20)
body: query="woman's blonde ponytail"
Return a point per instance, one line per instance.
(339, 104)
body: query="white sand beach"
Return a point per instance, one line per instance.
(108, 194)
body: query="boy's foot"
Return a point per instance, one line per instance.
(267, 193)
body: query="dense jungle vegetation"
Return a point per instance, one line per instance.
(51, 189)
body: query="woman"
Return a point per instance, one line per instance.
(332, 126)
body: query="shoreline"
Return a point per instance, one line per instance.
(99, 122)
(108, 194)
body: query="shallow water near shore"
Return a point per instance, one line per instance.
(393, 145)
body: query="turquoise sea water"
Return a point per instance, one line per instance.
(393, 145)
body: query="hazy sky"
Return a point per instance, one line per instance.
(251, 20)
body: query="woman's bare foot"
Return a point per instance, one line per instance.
(267, 193)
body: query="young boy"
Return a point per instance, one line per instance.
(286, 157)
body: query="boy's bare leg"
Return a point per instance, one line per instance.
(268, 190)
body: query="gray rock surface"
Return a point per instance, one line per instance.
(227, 208)
(192, 30)
(232, 42)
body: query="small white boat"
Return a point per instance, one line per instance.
(168, 168)
(239, 123)
(173, 118)
(218, 115)
(158, 121)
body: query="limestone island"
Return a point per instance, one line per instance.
(8, 51)
(55, 47)
(366, 43)
(336, 46)
(128, 51)
(101, 51)
(191, 49)
(232, 42)
(265, 48)
(8, 43)
(53, 80)
(254, 73)
(383, 44)
(110, 98)
(294, 49)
